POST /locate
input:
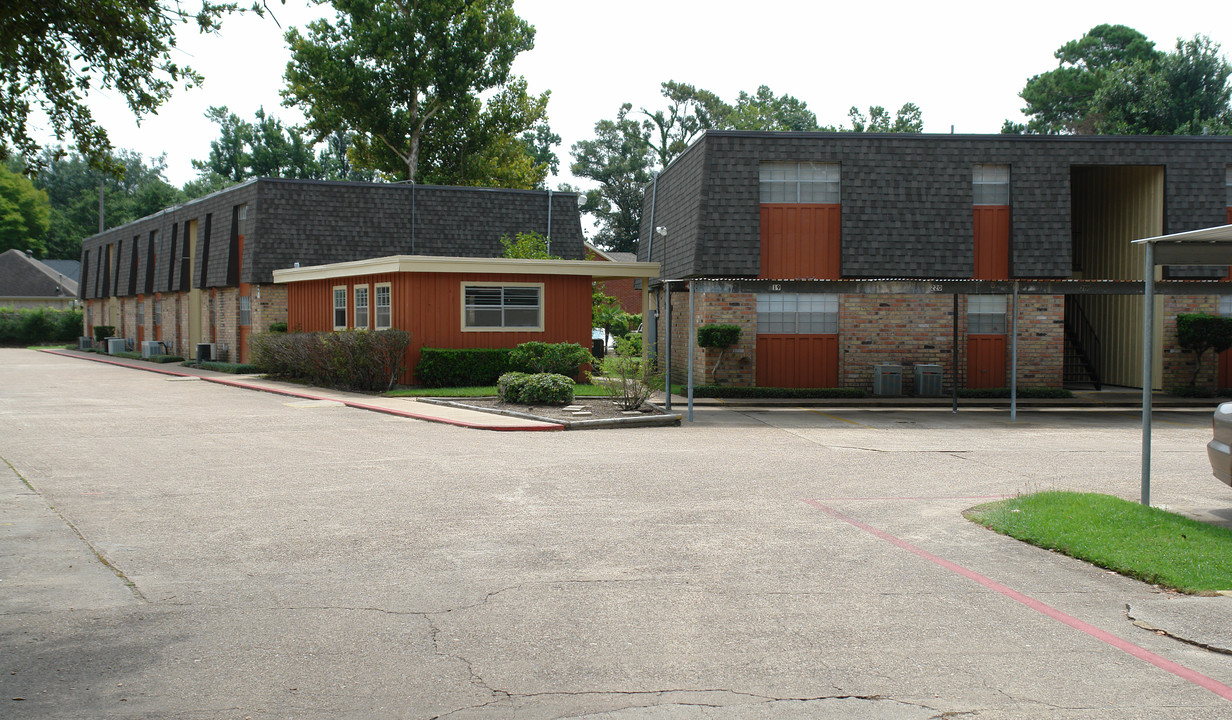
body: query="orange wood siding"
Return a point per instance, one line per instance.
(992, 242)
(1224, 374)
(429, 306)
(800, 241)
(986, 361)
(809, 361)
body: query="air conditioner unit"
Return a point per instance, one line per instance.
(150, 348)
(115, 345)
(206, 352)
(887, 379)
(928, 379)
(84, 343)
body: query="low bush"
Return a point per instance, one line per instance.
(718, 335)
(165, 359)
(509, 386)
(728, 391)
(448, 367)
(554, 358)
(536, 389)
(103, 331)
(278, 327)
(38, 326)
(347, 359)
(127, 354)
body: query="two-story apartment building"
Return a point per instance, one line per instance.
(202, 272)
(835, 252)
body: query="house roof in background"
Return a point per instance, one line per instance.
(23, 276)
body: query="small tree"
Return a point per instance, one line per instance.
(1199, 332)
(625, 377)
(718, 336)
(527, 246)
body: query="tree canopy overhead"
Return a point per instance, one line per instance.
(54, 55)
(406, 79)
(1113, 81)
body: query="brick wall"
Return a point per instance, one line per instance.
(226, 305)
(1178, 364)
(269, 305)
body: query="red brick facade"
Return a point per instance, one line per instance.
(1178, 363)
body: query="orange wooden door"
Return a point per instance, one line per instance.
(797, 361)
(992, 242)
(1224, 374)
(986, 361)
(800, 241)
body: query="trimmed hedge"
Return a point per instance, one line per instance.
(347, 359)
(718, 335)
(39, 326)
(449, 367)
(1036, 393)
(728, 391)
(536, 389)
(227, 367)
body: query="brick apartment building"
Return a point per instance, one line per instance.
(836, 252)
(202, 272)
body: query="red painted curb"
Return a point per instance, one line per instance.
(1125, 646)
(546, 427)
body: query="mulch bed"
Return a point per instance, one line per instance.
(599, 409)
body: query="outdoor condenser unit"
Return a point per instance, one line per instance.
(928, 380)
(115, 345)
(887, 379)
(206, 352)
(84, 343)
(150, 348)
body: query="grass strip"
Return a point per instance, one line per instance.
(579, 390)
(1149, 544)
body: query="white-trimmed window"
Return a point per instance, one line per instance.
(361, 307)
(986, 314)
(140, 312)
(799, 182)
(502, 306)
(797, 314)
(1225, 305)
(383, 293)
(158, 313)
(990, 184)
(245, 310)
(340, 309)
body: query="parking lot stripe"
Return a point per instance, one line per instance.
(1125, 646)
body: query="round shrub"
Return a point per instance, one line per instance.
(548, 389)
(509, 386)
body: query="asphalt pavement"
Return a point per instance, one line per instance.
(171, 547)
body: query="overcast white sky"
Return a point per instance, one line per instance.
(963, 63)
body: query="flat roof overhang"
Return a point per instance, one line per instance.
(597, 270)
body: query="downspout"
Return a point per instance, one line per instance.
(654, 188)
(413, 186)
(1014, 358)
(954, 355)
(549, 236)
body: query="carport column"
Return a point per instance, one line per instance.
(1148, 372)
(692, 343)
(1014, 356)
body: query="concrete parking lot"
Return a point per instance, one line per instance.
(173, 548)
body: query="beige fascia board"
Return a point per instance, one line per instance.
(432, 264)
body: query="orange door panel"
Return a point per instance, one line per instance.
(992, 242)
(800, 241)
(797, 361)
(986, 361)
(1224, 378)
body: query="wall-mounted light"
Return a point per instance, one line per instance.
(661, 231)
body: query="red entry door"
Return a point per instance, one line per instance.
(985, 361)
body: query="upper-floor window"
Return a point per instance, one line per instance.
(797, 314)
(340, 314)
(799, 182)
(245, 310)
(502, 307)
(986, 314)
(990, 184)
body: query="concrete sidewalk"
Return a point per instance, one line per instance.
(402, 407)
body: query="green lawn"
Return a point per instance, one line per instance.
(1149, 544)
(580, 390)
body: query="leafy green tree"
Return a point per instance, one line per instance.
(396, 74)
(619, 158)
(690, 111)
(526, 246)
(72, 185)
(764, 111)
(1199, 332)
(53, 55)
(539, 143)
(908, 119)
(1112, 80)
(264, 148)
(24, 214)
